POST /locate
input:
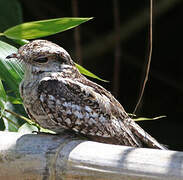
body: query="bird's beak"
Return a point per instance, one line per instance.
(13, 55)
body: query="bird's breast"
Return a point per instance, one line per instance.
(29, 94)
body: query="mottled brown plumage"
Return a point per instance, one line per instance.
(57, 96)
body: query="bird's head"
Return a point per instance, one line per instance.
(43, 56)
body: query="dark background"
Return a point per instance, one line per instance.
(164, 90)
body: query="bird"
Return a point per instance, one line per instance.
(58, 97)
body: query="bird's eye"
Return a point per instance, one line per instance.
(41, 59)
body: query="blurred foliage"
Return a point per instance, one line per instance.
(11, 14)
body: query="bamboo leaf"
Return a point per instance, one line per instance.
(11, 71)
(1, 106)
(2, 92)
(37, 29)
(84, 71)
(11, 123)
(21, 41)
(14, 100)
(148, 119)
(27, 128)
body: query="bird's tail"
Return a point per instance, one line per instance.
(143, 136)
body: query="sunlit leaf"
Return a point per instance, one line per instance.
(3, 99)
(132, 115)
(2, 91)
(46, 131)
(1, 106)
(148, 119)
(27, 128)
(37, 29)
(88, 73)
(11, 122)
(11, 71)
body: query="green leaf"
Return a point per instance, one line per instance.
(14, 100)
(147, 119)
(46, 131)
(132, 115)
(11, 71)
(2, 92)
(82, 70)
(11, 122)
(1, 106)
(3, 99)
(27, 128)
(37, 29)
(21, 41)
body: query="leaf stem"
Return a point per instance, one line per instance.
(29, 121)
(18, 115)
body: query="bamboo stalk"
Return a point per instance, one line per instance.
(65, 156)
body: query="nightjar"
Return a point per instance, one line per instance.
(57, 96)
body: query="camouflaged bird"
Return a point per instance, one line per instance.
(57, 96)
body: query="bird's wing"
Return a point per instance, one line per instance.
(84, 107)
